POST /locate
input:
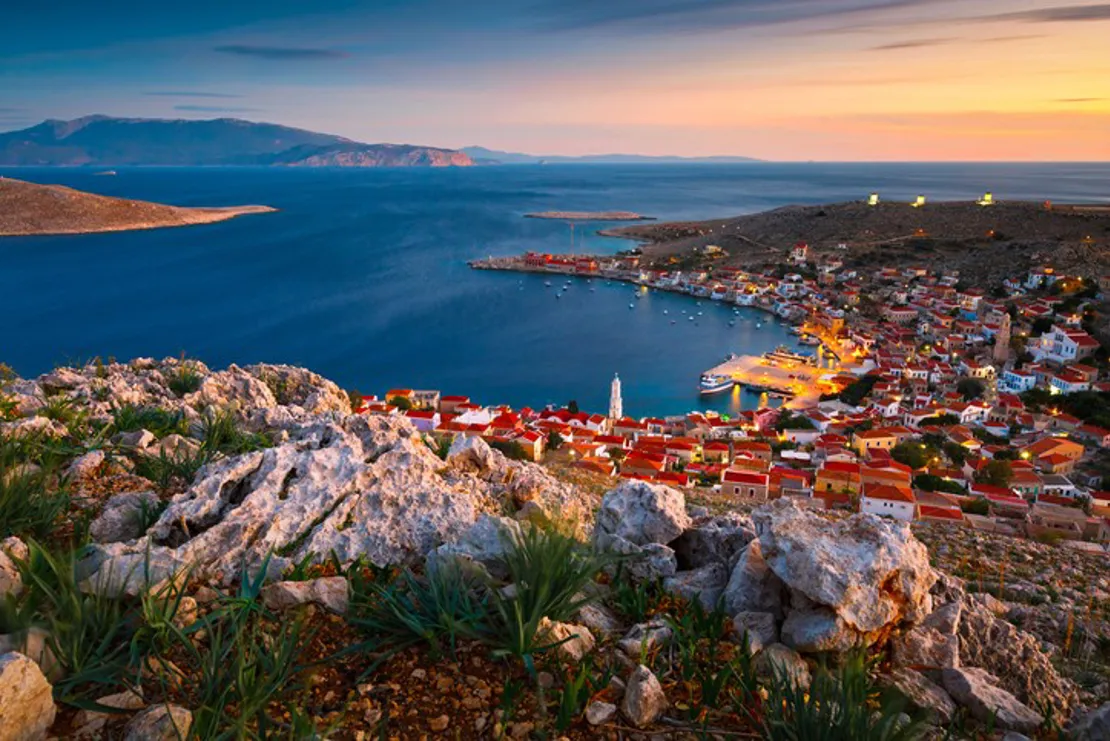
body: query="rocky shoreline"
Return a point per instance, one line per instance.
(250, 501)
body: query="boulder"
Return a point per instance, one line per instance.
(752, 586)
(651, 562)
(176, 447)
(301, 388)
(85, 465)
(91, 723)
(777, 660)
(872, 573)
(162, 722)
(1094, 726)
(760, 628)
(818, 629)
(599, 619)
(978, 691)
(26, 700)
(922, 695)
(484, 543)
(704, 584)
(1012, 655)
(125, 517)
(644, 700)
(474, 454)
(363, 487)
(924, 647)
(945, 619)
(33, 427)
(136, 439)
(231, 389)
(714, 540)
(642, 513)
(575, 641)
(645, 637)
(330, 592)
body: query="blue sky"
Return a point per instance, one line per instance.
(783, 79)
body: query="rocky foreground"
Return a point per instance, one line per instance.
(32, 209)
(380, 570)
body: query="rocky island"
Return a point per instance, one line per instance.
(589, 216)
(28, 209)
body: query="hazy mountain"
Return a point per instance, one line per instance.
(482, 155)
(103, 140)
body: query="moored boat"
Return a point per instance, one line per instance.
(713, 384)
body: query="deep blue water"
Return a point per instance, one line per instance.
(362, 276)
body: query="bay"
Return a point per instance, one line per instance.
(362, 274)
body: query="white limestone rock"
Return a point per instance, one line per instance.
(871, 572)
(330, 592)
(645, 637)
(644, 700)
(778, 660)
(752, 586)
(761, 629)
(922, 695)
(484, 543)
(163, 722)
(926, 647)
(599, 713)
(123, 517)
(718, 540)
(575, 641)
(26, 700)
(978, 691)
(642, 513)
(704, 584)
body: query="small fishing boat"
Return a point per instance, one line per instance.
(547, 283)
(632, 306)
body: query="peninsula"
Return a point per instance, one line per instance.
(590, 216)
(28, 209)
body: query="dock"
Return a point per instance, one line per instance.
(799, 381)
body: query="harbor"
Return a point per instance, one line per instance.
(794, 377)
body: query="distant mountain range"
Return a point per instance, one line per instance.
(483, 156)
(104, 141)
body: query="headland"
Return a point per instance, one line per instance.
(29, 209)
(590, 216)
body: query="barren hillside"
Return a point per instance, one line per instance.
(30, 208)
(961, 235)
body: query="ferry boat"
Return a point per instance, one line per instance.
(714, 384)
(784, 355)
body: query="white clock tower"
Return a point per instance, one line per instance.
(616, 408)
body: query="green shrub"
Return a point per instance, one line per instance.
(840, 707)
(444, 605)
(32, 496)
(184, 379)
(160, 422)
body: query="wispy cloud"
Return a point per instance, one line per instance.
(189, 94)
(214, 109)
(701, 15)
(281, 53)
(1065, 14)
(917, 44)
(1079, 100)
(1016, 37)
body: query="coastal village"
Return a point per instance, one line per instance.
(975, 406)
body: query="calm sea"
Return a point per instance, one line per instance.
(362, 274)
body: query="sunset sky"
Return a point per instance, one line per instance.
(776, 79)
